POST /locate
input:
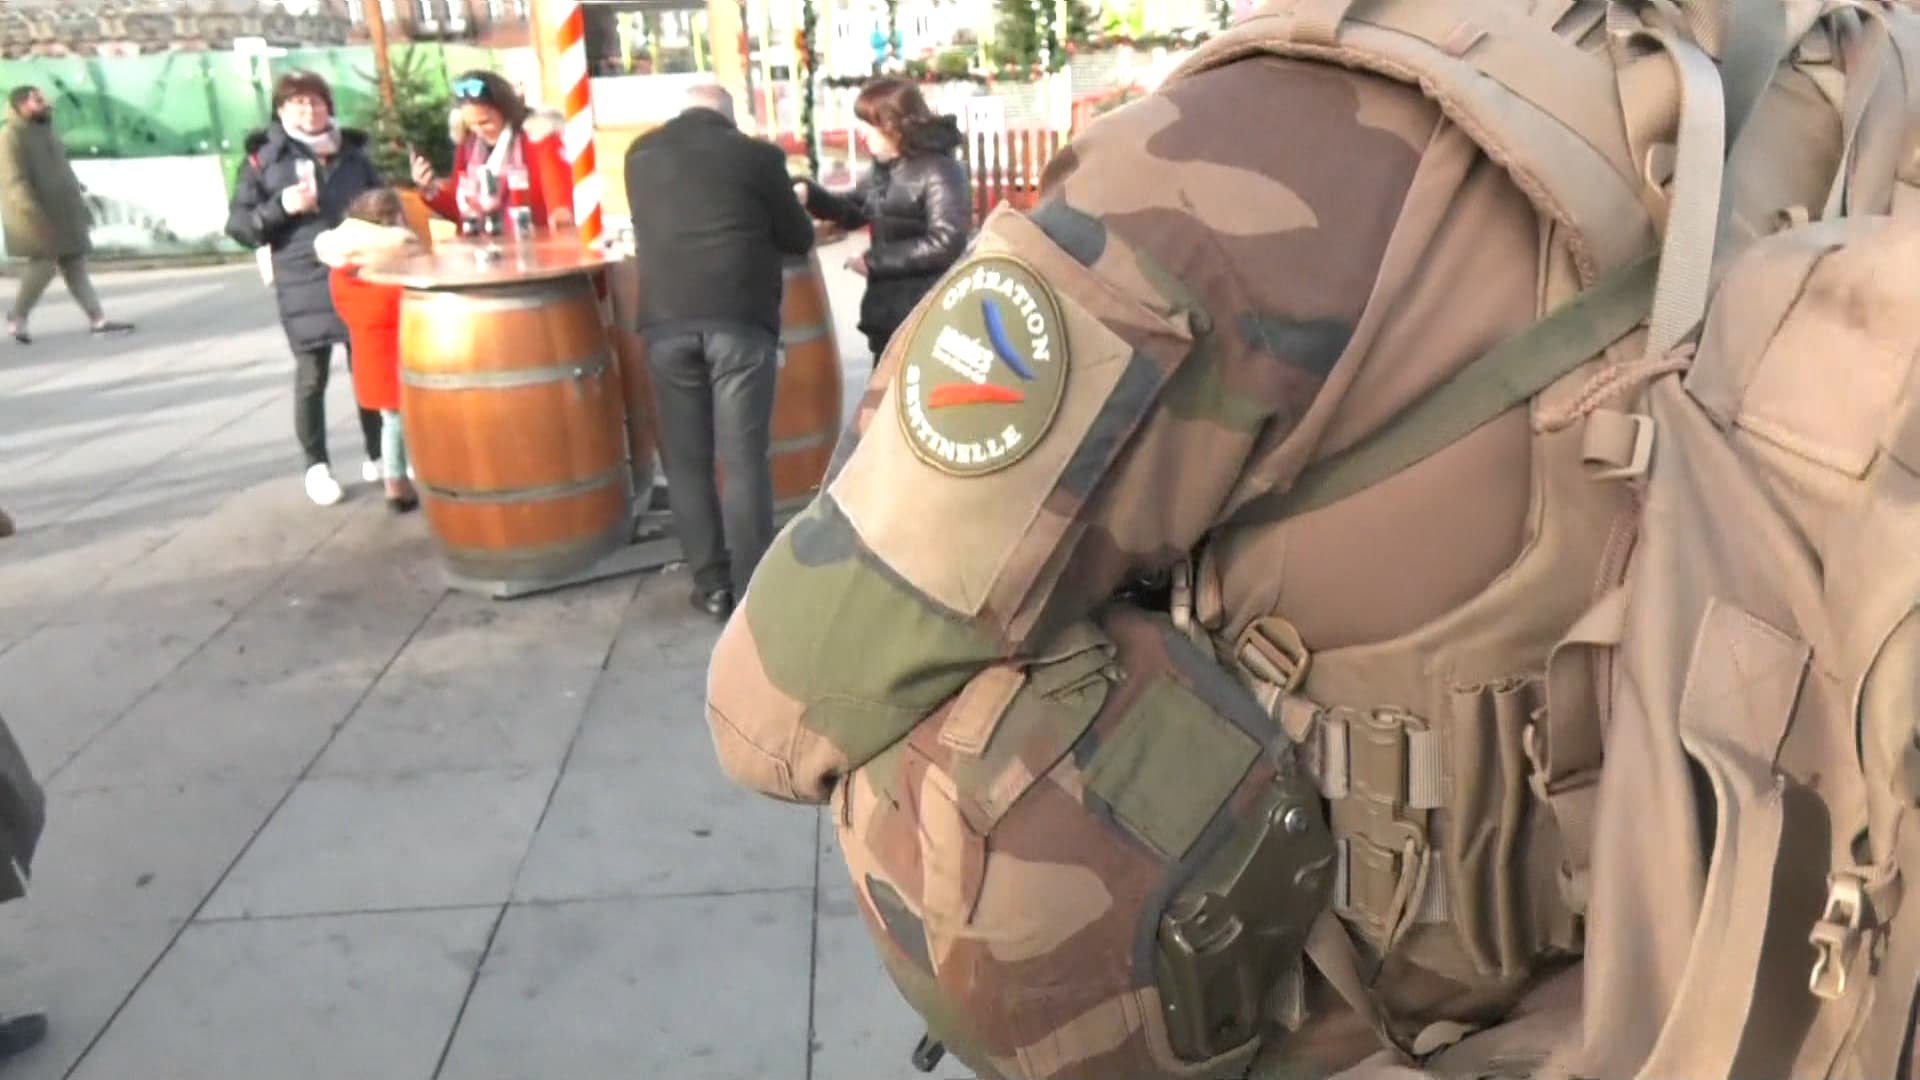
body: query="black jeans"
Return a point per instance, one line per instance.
(714, 389)
(311, 368)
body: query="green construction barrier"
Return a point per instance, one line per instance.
(192, 103)
(195, 106)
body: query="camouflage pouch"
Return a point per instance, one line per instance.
(1096, 865)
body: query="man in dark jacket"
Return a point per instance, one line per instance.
(713, 215)
(298, 178)
(43, 210)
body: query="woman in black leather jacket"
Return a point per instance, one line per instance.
(915, 197)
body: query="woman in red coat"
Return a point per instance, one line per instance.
(374, 229)
(499, 164)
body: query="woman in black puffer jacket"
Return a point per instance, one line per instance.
(915, 198)
(299, 176)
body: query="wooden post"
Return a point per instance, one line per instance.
(726, 29)
(377, 30)
(540, 21)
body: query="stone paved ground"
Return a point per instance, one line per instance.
(313, 815)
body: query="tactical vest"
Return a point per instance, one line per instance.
(1461, 777)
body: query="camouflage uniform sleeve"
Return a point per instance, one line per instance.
(1069, 407)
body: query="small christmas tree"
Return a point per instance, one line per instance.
(416, 121)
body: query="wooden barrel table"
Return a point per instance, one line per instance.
(511, 399)
(807, 400)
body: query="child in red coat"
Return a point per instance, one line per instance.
(374, 230)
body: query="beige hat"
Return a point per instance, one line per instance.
(355, 242)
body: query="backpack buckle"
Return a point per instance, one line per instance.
(1618, 444)
(1837, 937)
(1271, 650)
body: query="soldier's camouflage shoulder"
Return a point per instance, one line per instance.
(1193, 287)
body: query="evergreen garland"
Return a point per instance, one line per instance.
(1041, 14)
(809, 18)
(893, 30)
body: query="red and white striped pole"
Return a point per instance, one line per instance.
(576, 139)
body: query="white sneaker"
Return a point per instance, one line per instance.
(370, 472)
(322, 488)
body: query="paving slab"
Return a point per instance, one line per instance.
(106, 410)
(266, 694)
(176, 317)
(382, 843)
(42, 573)
(641, 716)
(249, 443)
(220, 560)
(79, 974)
(663, 631)
(443, 703)
(203, 486)
(696, 988)
(147, 853)
(67, 682)
(365, 995)
(157, 422)
(668, 824)
(230, 556)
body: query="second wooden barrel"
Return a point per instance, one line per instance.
(623, 285)
(807, 401)
(806, 409)
(516, 427)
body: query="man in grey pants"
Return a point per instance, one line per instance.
(713, 216)
(44, 211)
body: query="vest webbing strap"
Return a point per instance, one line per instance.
(1510, 373)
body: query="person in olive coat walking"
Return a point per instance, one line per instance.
(299, 176)
(915, 198)
(43, 210)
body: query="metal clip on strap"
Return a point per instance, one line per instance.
(1857, 903)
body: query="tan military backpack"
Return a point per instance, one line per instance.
(1757, 680)
(1658, 140)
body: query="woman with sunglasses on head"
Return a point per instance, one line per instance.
(500, 164)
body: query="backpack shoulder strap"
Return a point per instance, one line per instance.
(1510, 373)
(1536, 101)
